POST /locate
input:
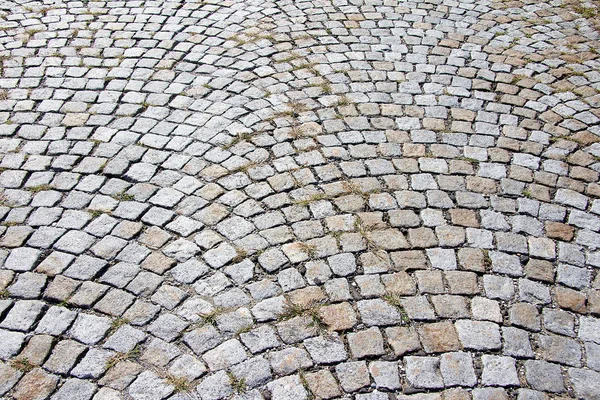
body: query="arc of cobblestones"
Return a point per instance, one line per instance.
(299, 199)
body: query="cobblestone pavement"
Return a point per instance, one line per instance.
(286, 200)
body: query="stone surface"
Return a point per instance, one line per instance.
(35, 385)
(439, 337)
(457, 369)
(424, 372)
(288, 200)
(149, 386)
(478, 335)
(544, 376)
(499, 371)
(352, 375)
(585, 383)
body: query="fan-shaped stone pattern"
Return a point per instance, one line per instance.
(259, 199)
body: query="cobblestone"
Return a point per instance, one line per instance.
(289, 200)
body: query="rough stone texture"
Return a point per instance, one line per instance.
(287, 388)
(322, 384)
(424, 372)
(36, 385)
(457, 369)
(499, 371)
(328, 350)
(439, 337)
(478, 335)
(225, 355)
(317, 198)
(353, 375)
(385, 374)
(544, 376)
(585, 383)
(149, 386)
(366, 343)
(9, 377)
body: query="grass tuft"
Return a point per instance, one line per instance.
(308, 249)
(122, 196)
(22, 364)
(238, 385)
(117, 358)
(210, 318)
(117, 323)
(241, 255)
(394, 300)
(311, 311)
(95, 213)
(180, 383)
(469, 159)
(311, 199)
(487, 260)
(39, 188)
(586, 12)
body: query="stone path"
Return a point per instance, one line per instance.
(376, 199)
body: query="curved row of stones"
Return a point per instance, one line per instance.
(292, 200)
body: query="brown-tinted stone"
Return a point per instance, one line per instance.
(471, 259)
(338, 317)
(464, 217)
(581, 158)
(525, 315)
(593, 189)
(550, 116)
(366, 343)
(584, 174)
(403, 340)
(422, 238)
(389, 239)
(435, 124)
(154, 237)
(462, 282)
(121, 375)
(430, 281)
(539, 270)
(461, 167)
(568, 183)
(594, 301)
(448, 306)
(306, 297)
(520, 173)
(158, 263)
(399, 283)
(322, 384)
(413, 150)
(539, 192)
(557, 230)
(499, 155)
(481, 185)
(439, 337)
(450, 236)
(463, 115)
(37, 349)
(456, 394)
(409, 260)
(36, 385)
(545, 178)
(570, 299)
(61, 288)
